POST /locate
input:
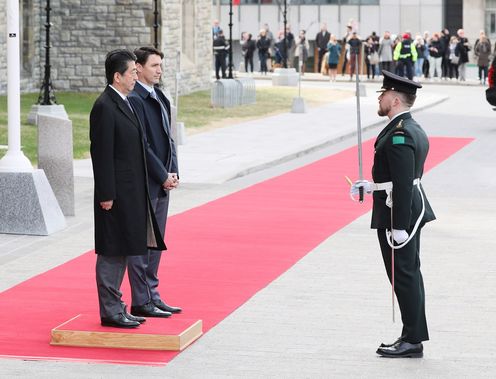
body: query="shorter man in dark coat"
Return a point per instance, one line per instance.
(400, 209)
(124, 222)
(153, 110)
(220, 53)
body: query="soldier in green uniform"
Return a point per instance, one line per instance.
(400, 208)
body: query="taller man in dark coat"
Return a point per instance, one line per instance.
(321, 41)
(153, 110)
(124, 222)
(400, 208)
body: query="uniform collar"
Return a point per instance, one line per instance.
(397, 115)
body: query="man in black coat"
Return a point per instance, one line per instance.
(461, 50)
(124, 223)
(221, 47)
(153, 110)
(321, 41)
(445, 43)
(400, 208)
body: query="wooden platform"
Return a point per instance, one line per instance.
(174, 333)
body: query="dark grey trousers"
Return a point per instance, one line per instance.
(109, 274)
(142, 270)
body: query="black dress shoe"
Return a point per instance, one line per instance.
(149, 310)
(119, 321)
(131, 317)
(402, 349)
(167, 308)
(391, 344)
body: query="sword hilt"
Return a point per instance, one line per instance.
(360, 194)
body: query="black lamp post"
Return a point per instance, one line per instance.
(285, 47)
(47, 95)
(156, 25)
(230, 74)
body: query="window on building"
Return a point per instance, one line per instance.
(26, 29)
(491, 18)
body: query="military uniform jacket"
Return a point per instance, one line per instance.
(400, 152)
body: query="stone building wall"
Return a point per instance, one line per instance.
(29, 36)
(84, 31)
(187, 28)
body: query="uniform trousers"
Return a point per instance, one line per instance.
(143, 269)
(408, 286)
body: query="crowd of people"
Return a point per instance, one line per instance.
(429, 56)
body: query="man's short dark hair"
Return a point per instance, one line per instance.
(407, 98)
(143, 53)
(117, 61)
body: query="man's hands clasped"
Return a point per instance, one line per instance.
(171, 182)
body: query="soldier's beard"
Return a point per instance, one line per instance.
(383, 111)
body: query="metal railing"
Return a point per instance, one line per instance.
(227, 93)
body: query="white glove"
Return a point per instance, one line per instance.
(355, 187)
(400, 235)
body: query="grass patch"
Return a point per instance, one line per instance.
(195, 111)
(77, 106)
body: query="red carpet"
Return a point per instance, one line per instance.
(220, 254)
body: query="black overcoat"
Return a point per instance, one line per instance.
(400, 153)
(161, 152)
(119, 170)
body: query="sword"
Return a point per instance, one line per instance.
(359, 131)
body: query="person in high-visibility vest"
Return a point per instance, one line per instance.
(405, 54)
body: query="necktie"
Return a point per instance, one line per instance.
(128, 104)
(165, 117)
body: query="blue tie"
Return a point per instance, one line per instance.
(165, 117)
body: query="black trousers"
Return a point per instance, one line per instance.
(405, 68)
(408, 286)
(386, 66)
(248, 62)
(263, 56)
(220, 65)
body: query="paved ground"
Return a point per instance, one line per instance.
(325, 316)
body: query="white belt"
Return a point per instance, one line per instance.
(388, 186)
